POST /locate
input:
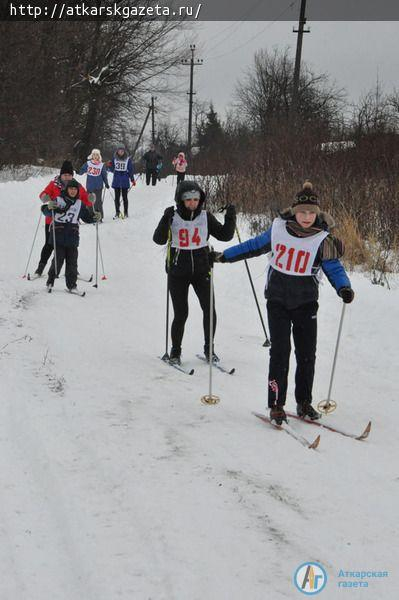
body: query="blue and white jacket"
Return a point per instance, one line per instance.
(96, 175)
(290, 290)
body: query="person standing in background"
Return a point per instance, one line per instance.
(96, 178)
(180, 165)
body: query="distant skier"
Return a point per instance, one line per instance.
(68, 208)
(188, 229)
(123, 169)
(180, 165)
(51, 192)
(96, 178)
(151, 159)
(301, 246)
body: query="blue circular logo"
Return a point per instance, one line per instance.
(310, 578)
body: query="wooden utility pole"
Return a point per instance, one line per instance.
(193, 63)
(153, 119)
(297, 70)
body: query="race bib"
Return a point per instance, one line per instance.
(71, 215)
(94, 169)
(293, 255)
(121, 165)
(190, 235)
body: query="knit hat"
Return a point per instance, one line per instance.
(94, 151)
(66, 168)
(72, 184)
(306, 199)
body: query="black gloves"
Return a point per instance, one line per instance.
(347, 294)
(169, 212)
(231, 211)
(215, 257)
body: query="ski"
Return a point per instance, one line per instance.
(218, 365)
(288, 429)
(178, 367)
(76, 292)
(354, 436)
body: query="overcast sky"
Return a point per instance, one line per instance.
(353, 53)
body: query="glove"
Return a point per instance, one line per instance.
(133, 182)
(107, 186)
(231, 211)
(92, 197)
(96, 216)
(52, 204)
(216, 257)
(347, 294)
(169, 213)
(45, 198)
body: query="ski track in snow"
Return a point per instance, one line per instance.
(117, 483)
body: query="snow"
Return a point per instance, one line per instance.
(118, 483)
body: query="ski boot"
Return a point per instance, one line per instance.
(174, 357)
(277, 415)
(40, 269)
(215, 357)
(306, 410)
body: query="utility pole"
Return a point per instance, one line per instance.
(153, 119)
(142, 130)
(300, 31)
(193, 63)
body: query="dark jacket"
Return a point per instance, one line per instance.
(286, 289)
(151, 159)
(185, 263)
(67, 234)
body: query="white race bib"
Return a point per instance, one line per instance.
(190, 235)
(293, 255)
(121, 164)
(94, 169)
(71, 215)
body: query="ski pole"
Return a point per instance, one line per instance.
(327, 406)
(210, 398)
(96, 284)
(166, 355)
(54, 244)
(33, 243)
(103, 277)
(266, 343)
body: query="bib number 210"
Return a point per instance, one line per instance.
(291, 259)
(184, 238)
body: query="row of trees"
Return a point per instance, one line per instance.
(69, 85)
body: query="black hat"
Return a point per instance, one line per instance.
(306, 199)
(66, 168)
(72, 184)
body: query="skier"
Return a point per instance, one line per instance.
(96, 178)
(180, 165)
(301, 246)
(123, 169)
(187, 230)
(50, 192)
(151, 159)
(68, 208)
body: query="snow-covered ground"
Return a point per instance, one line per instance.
(118, 483)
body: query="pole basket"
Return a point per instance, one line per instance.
(326, 406)
(210, 399)
(267, 344)
(103, 278)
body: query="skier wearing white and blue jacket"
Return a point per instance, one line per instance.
(97, 177)
(301, 247)
(123, 169)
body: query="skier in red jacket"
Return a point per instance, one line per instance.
(51, 192)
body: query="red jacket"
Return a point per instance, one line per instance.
(54, 189)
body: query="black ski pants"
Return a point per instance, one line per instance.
(151, 175)
(47, 248)
(180, 177)
(179, 287)
(70, 255)
(118, 200)
(303, 321)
